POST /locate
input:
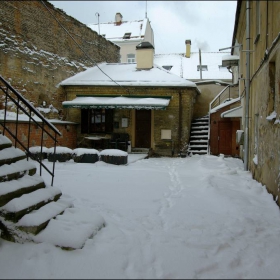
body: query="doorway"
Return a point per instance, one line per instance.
(143, 128)
(225, 138)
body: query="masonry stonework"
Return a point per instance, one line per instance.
(179, 110)
(36, 53)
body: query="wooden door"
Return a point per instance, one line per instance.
(225, 138)
(143, 128)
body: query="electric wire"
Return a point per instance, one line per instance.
(42, 1)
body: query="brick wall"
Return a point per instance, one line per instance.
(36, 53)
(172, 118)
(67, 139)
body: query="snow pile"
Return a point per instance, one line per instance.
(176, 218)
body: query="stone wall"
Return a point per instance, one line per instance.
(36, 53)
(173, 118)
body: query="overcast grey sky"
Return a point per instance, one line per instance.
(208, 24)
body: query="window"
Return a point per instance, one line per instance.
(131, 58)
(203, 68)
(126, 35)
(257, 22)
(167, 67)
(96, 120)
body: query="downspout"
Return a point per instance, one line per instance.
(180, 123)
(247, 85)
(200, 64)
(266, 37)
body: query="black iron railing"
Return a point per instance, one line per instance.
(23, 105)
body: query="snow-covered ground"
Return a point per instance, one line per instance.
(194, 217)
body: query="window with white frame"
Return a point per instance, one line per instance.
(131, 58)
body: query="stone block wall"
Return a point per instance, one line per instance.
(36, 53)
(173, 118)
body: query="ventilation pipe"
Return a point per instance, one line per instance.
(200, 67)
(188, 48)
(247, 86)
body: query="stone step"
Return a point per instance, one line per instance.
(198, 141)
(198, 152)
(18, 207)
(5, 142)
(200, 127)
(71, 229)
(139, 151)
(37, 220)
(17, 170)
(199, 131)
(200, 122)
(11, 155)
(16, 188)
(195, 147)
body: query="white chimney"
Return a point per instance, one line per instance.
(145, 56)
(118, 18)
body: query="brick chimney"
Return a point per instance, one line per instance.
(145, 56)
(188, 48)
(118, 19)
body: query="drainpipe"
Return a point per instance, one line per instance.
(200, 64)
(247, 85)
(180, 122)
(266, 38)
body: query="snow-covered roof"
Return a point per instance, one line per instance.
(115, 33)
(126, 74)
(188, 68)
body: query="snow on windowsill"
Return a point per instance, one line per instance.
(255, 159)
(272, 116)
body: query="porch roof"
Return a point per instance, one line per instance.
(118, 102)
(233, 113)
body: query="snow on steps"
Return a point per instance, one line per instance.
(37, 220)
(18, 207)
(72, 229)
(16, 170)
(30, 211)
(16, 188)
(199, 136)
(10, 155)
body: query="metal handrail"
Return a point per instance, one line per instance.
(43, 123)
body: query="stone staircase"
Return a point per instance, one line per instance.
(199, 138)
(31, 211)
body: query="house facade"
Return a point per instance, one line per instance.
(215, 83)
(126, 34)
(256, 39)
(151, 105)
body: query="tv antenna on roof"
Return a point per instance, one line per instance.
(97, 14)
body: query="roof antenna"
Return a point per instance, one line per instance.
(146, 10)
(97, 14)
